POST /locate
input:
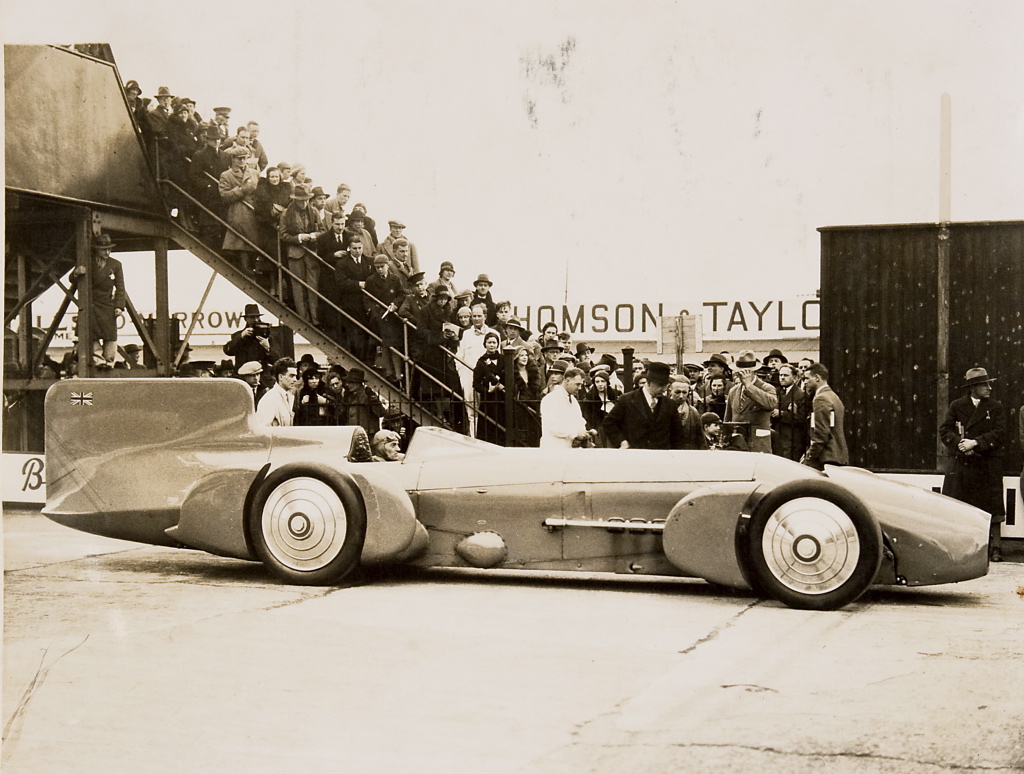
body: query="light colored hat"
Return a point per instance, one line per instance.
(746, 359)
(252, 367)
(977, 375)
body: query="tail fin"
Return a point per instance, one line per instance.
(123, 445)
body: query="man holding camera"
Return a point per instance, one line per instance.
(252, 343)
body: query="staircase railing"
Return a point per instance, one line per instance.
(412, 369)
(283, 271)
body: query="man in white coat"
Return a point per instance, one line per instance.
(276, 407)
(471, 347)
(561, 418)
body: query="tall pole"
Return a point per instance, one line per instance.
(945, 158)
(942, 276)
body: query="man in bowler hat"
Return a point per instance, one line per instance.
(974, 431)
(645, 418)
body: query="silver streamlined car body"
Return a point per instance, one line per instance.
(182, 462)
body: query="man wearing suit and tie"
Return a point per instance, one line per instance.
(350, 275)
(645, 418)
(752, 400)
(828, 436)
(974, 431)
(330, 246)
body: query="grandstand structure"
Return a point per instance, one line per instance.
(76, 167)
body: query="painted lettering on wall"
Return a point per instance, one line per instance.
(638, 320)
(749, 317)
(721, 319)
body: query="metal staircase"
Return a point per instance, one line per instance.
(391, 394)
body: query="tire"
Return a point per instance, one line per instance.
(307, 524)
(812, 546)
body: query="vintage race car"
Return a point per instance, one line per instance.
(181, 462)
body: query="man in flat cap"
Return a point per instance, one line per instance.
(644, 418)
(974, 431)
(396, 231)
(252, 374)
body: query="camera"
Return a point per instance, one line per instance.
(261, 330)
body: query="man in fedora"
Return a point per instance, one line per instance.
(132, 353)
(583, 353)
(645, 418)
(827, 443)
(363, 406)
(482, 295)
(974, 431)
(318, 206)
(160, 113)
(106, 282)
(252, 343)
(298, 231)
(752, 400)
(513, 337)
(773, 361)
(716, 365)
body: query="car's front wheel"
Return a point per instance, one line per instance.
(813, 546)
(308, 524)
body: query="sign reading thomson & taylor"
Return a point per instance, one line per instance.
(607, 319)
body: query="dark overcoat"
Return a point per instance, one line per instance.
(976, 477)
(632, 420)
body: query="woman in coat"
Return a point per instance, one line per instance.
(489, 385)
(597, 401)
(526, 391)
(273, 196)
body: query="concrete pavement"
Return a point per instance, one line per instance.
(120, 657)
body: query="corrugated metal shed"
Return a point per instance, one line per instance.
(905, 311)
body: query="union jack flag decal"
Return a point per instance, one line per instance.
(81, 399)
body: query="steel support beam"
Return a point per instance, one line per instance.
(24, 317)
(83, 271)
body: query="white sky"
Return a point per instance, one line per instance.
(673, 151)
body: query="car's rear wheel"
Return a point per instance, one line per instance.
(308, 524)
(813, 546)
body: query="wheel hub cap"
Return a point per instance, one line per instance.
(811, 545)
(303, 523)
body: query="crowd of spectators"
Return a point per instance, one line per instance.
(444, 346)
